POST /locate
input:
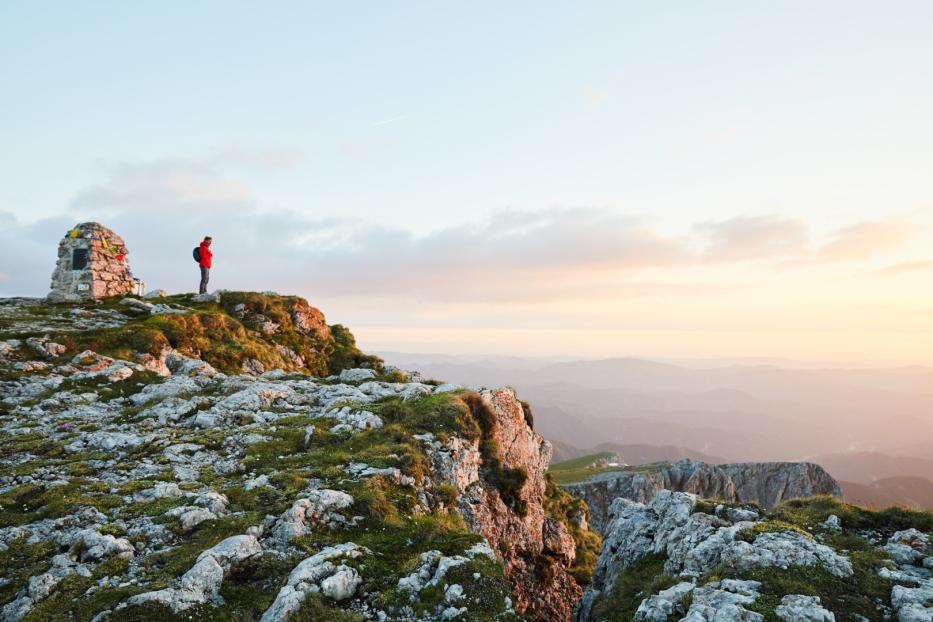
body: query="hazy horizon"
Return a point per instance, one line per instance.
(850, 421)
(699, 362)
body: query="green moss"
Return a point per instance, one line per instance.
(846, 597)
(36, 443)
(21, 561)
(314, 609)
(440, 414)
(772, 526)
(251, 586)
(107, 390)
(375, 500)
(345, 353)
(69, 601)
(29, 503)
(397, 540)
(812, 512)
(637, 582)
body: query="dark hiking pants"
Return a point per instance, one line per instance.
(205, 276)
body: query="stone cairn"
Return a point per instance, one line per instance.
(92, 263)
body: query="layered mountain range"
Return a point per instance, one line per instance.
(852, 422)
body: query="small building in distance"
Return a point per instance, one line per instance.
(92, 263)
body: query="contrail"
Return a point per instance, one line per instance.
(392, 120)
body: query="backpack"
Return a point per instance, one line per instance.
(196, 253)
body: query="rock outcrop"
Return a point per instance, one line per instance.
(731, 564)
(536, 550)
(763, 483)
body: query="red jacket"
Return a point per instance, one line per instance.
(206, 255)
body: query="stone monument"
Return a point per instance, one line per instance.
(92, 263)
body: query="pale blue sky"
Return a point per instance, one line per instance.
(667, 108)
(407, 119)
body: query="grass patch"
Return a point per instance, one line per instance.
(563, 506)
(846, 597)
(162, 566)
(636, 583)
(578, 470)
(814, 511)
(25, 504)
(771, 526)
(227, 335)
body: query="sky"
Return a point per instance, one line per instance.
(597, 179)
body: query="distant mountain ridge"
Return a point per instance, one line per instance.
(866, 467)
(737, 412)
(634, 453)
(911, 492)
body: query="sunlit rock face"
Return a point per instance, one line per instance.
(764, 483)
(92, 263)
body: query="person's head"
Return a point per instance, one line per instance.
(207, 240)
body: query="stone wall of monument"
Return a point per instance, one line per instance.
(92, 263)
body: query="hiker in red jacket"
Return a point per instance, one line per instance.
(204, 260)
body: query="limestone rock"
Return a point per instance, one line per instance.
(723, 602)
(319, 506)
(695, 543)
(913, 604)
(764, 483)
(435, 566)
(356, 375)
(664, 604)
(832, 523)
(46, 348)
(799, 608)
(201, 584)
(317, 573)
(353, 419)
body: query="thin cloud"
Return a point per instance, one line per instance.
(746, 238)
(263, 160)
(392, 120)
(866, 239)
(178, 186)
(906, 267)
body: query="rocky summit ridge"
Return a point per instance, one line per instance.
(233, 457)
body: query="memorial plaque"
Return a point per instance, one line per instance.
(79, 259)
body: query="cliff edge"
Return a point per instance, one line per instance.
(765, 484)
